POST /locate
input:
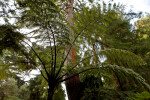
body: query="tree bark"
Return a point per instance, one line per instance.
(73, 84)
(73, 88)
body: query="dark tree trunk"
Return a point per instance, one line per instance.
(2, 95)
(50, 94)
(73, 84)
(73, 88)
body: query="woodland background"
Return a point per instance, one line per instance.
(88, 45)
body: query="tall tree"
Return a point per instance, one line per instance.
(94, 23)
(72, 85)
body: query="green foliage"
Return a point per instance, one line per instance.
(142, 26)
(13, 53)
(123, 58)
(141, 96)
(43, 17)
(24, 92)
(12, 92)
(12, 98)
(91, 82)
(130, 82)
(105, 94)
(9, 38)
(143, 36)
(59, 94)
(103, 26)
(10, 87)
(105, 23)
(130, 77)
(38, 89)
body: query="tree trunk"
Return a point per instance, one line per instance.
(2, 95)
(73, 88)
(50, 94)
(69, 11)
(73, 84)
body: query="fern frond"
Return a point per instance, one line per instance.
(5, 72)
(129, 74)
(128, 78)
(122, 58)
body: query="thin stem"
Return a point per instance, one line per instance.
(51, 68)
(38, 58)
(43, 75)
(70, 48)
(74, 67)
(54, 46)
(77, 74)
(51, 52)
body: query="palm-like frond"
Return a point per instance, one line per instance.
(9, 38)
(130, 75)
(128, 79)
(122, 58)
(45, 17)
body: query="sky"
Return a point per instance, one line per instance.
(135, 5)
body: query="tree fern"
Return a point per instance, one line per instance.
(44, 16)
(122, 58)
(126, 76)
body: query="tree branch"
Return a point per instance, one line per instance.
(71, 47)
(102, 43)
(43, 76)
(54, 46)
(77, 74)
(51, 52)
(74, 67)
(38, 58)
